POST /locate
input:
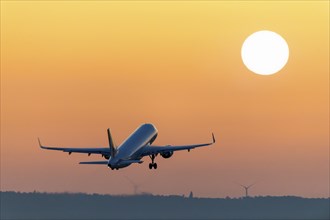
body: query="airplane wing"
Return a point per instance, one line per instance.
(150, 150)
(103, 151)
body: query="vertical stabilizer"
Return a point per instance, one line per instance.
(111, 144)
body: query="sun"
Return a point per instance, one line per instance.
(265, 52)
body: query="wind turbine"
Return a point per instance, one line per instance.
(246, 188)
(135, 186)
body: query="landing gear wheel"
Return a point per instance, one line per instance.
(152, 164)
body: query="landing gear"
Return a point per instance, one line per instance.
(113, 168)
(152, 164)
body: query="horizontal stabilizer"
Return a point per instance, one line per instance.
(131, 161)
(95, 162)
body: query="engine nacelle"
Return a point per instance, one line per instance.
(167, 154)
(106, 156)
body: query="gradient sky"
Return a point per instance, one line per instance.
(70, 70)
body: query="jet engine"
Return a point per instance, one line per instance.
(167, 154)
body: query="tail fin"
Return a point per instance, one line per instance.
(111, 144)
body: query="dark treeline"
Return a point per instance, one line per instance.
(15, 205)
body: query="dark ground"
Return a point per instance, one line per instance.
(83, 206)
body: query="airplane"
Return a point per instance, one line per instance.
(132, 150)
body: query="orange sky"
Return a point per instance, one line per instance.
(69, 70)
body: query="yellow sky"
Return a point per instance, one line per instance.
(69, 70)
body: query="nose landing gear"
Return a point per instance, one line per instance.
(152, 164)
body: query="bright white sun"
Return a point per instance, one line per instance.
(265, 52)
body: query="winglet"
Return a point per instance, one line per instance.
(39, 143)
(213, 138)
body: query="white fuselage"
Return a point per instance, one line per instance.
(141, 137)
